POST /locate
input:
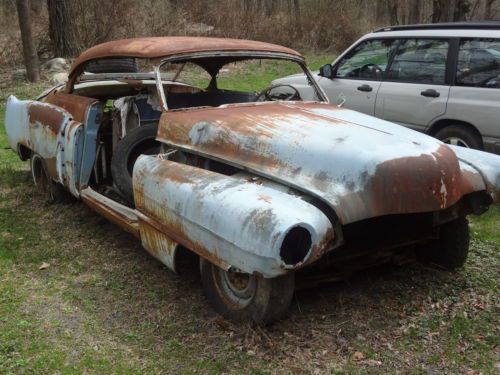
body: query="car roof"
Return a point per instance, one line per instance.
(458, 33)
(477, 25)
(162, 47)
(483, 29)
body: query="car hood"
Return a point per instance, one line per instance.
(359, 165)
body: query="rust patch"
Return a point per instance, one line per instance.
(50, 165)
(213, 131)
(411, 184)
(114, 216)
(46, 115)
(76, 105)
(320, 249)
(174, 230)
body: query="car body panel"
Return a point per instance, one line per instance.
(487, 165)
(402, 103)
(227, 219)
(345, 92)
(310, 147)
(481, 104)
(38, 126)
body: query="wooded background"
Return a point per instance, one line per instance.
(63, 28)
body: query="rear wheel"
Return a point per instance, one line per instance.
(240, 296)
(460, 135)
(53, 192)
(450, 251)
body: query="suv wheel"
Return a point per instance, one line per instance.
(459, 135)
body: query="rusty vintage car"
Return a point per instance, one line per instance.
(260, 185)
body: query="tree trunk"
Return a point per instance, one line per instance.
(487, 9)
(393, 12)
(63, 31)
(296, 10)
(414, 12)
(461, 9)
(29, 50)
(442, 10)
(380, 12)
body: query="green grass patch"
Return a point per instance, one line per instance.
(487, 226)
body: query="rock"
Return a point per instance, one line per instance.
(57, 64)
(199, 27)
(59, 78)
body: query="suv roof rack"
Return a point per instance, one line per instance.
(444, 25)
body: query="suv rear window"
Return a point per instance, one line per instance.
(420, 61)
(479, 63)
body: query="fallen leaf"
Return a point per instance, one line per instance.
(373, 362)
(358, 356)
(44, 266)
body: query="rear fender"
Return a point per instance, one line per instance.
(49, 131)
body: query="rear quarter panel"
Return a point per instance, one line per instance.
(477, 106)
(49, 131)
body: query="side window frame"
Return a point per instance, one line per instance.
(450, 58)
(349, 52)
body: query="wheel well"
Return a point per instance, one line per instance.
(23, 152)
(37, 170)
(441, 124)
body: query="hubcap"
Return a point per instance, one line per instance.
(238, 287)
(456, 142)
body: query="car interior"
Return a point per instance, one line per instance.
(130, 110)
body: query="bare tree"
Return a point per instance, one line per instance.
(29, 50)
(63, 31)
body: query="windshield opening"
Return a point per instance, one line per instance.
(219, 80)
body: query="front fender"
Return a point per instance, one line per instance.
(486, 165)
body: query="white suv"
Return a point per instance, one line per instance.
(442, 79)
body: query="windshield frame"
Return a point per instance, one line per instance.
(192, 57)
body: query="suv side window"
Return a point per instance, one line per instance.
(478, 63)
(368, 60)
(420, 61)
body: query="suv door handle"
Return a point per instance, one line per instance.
(430, 93)
(365, 88)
